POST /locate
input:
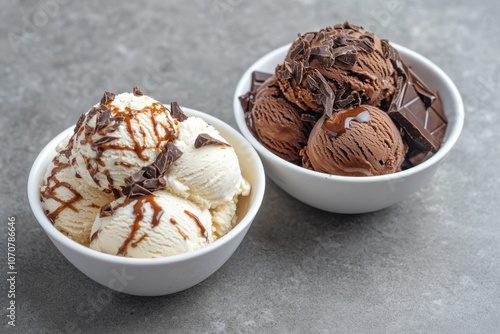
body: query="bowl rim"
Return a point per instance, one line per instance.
(451, 138)
(36, 207)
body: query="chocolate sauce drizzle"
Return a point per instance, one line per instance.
(139, 211)
(108, 119)
(340, 121)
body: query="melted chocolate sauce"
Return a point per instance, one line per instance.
(340, 121)
(138, 148)
(139, 211)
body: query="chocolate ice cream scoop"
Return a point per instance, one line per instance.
(336, 68)
(277, 123)
(362, 141)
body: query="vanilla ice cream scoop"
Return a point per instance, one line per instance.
(208, 172)
(118, 137)
(69, 202)
(156, 225)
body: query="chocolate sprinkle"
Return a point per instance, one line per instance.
(204, 139)
(177, 112)
(137, 91)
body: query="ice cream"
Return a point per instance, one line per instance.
(323, 80)
(156, 225)
(138, 179)
(362, 141)
(208, 172)
(337, 67)
(277, 122)
(118, 137)
(69, 202)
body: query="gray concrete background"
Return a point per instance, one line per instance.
(430, 264)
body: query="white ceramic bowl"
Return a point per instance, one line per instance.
(160, 276)
(347, 194)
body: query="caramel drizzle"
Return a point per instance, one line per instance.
(174, 222)
(50, 192)
(134, 244)
(139, 211)
(198, 222)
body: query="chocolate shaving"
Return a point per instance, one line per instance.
(204, 139)
(107, 97)
(137, 190)
(137, 91)
(298, 49)
(92, 112)
(150, 178)
(365, 45)
(177, 112)
(135, 178)
(103, 140)
(298, 72)
(102, 118)
(157, 183)
(322, 51)
(79, 123)
(106, 211)
(308, 118)
(173, 153)
(348, 59)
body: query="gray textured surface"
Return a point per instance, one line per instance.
(430, 264)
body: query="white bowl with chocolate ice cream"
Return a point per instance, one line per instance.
(347, 122)
(144, 198)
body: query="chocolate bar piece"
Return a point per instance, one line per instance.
(419, 112)
(248, 100)
(258, 79)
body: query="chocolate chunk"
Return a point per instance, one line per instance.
(204, 139)
(107, 97)
(106, 211)
(173, 153)
(137, 190)
(425, 127)
(150, 178)
(154, 184)
(348, 59)
(103, 118)
(423, 91)
(247, 101)
(92, 112)
(177, 112)
(135, 178)
(137, 91)
(366, 43)
(322, 51)
(79, 123)
(297, 49)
